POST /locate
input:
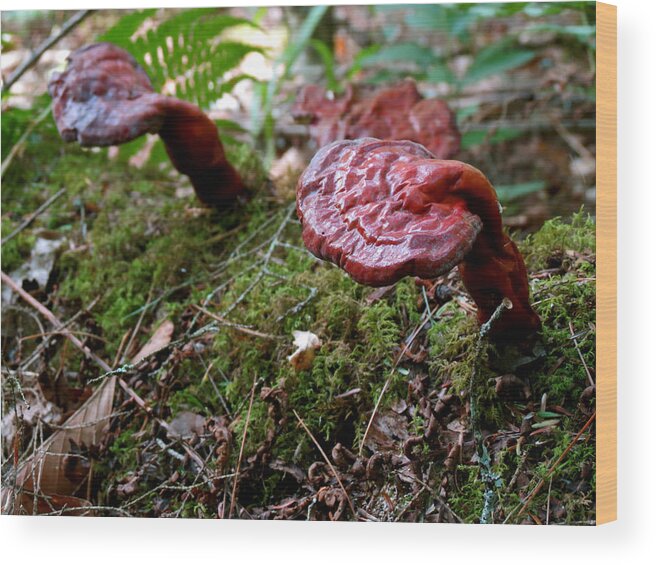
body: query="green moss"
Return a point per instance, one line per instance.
(379, 330)
(468, 501)
(561, 302)
(136, 254)
(17, 250)
(249, 164)
(453, 354)
(546, 247)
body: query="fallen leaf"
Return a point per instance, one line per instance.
(38, 408)
(510, 387)
(37, 269)
(53, 471)
(159, 340)
(387, 431)
(185, 425)
(306, 344)
(290, 164)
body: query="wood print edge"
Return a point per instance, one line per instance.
(606, 478)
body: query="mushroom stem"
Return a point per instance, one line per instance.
(105, 98)
(203, 159)
(489, 277)
(494, 268)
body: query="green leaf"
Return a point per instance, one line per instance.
(507, 193)
(262, 107)
(496, 59)
(301, 39)
(357, 65)
(328, 62)
(229, 125)
(586, 34)
(454, 19)
(228, 54)
(426, 16)
(122, 32)
(228, 85)
(545, 424)
(438, 71)
(473, 138)
(547, 414)
(401, 52)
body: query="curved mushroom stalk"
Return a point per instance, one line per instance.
(490, 278)
(382, 210)
(105, 98)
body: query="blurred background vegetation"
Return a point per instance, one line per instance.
(520, 77)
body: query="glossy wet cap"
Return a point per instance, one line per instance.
(104, 97)
(382, 210)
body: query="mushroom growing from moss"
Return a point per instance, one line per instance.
(382, 210)
(395, 112)
(105, 98)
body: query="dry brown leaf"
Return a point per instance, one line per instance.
(54, 504)
(185, 425)
(159, 340)
(306, 344)
(387, 431)
(57, 470)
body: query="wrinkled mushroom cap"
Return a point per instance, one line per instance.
(104, 97)
(382, 210)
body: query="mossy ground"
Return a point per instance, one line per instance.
(137, 253)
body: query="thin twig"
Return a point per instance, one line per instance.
(27, 221)
(410, 503)
(53, 320)
(578, 350)
(551, 470)
(208, 376)
(549, 501)
(325, 457)
(137, 327)
(406, 346)
(488, 477)
(71, 337)
(233, 499)
(234, 326)
(21, 141)
(68, 26)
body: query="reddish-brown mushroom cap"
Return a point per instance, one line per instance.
(382, 210)
(105, 98)
(365, 206)
(396, 112)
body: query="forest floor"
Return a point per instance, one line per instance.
(216, 420)
(149, 364)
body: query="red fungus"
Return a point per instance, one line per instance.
(105, 98)
(396, 112)
(382, 210)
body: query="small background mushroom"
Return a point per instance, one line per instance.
(396, 112)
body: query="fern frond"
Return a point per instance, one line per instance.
(184, 54)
